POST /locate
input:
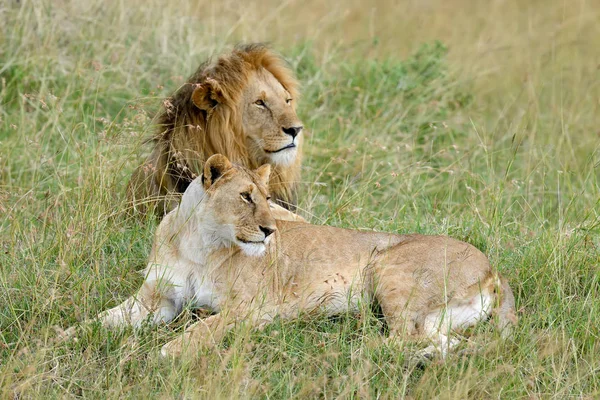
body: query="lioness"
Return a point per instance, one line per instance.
(221, 249)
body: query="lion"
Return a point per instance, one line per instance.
(242, 106)
(222, 250)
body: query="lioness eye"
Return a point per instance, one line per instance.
(268, 198)
(246, 197)
(288, 101)
(260, 103)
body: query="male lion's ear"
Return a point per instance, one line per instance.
(214, 168)
(207, 94)
(263, 172)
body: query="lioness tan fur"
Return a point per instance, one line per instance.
(242, 106)
(221, 249)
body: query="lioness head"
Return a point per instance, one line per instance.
(254, 89)
(235, 205)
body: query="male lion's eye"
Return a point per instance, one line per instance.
(260, 103)
(246, 197)
(268, 198)
(288, 101)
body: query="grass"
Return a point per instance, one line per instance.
(473, 119)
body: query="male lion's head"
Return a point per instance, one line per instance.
(243, 106)
(233, 206)
(253, 92)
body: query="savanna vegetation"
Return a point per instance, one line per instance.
(475, 119)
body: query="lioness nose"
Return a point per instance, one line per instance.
(267, 231)
(293, 131)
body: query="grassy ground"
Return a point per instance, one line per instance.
(490, 135)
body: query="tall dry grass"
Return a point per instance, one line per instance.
(495, 142)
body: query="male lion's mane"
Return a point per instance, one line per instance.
(188, 136)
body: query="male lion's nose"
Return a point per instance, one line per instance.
(293, 131)
(266, 230)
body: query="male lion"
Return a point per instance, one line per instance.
(242, 106)
(221, 249)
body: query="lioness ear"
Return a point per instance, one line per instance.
(207, 94)
(263, 172)
(214, 168)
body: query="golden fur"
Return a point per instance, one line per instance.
(216, 112)
(222, 250)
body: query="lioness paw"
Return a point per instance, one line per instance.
(187, 344)
(171, 349)
(66, 334)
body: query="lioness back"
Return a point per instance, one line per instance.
(418, 255)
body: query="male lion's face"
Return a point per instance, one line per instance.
(269, 119)
(237, 204)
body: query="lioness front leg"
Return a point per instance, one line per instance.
(154, 299)
(208, 332)
(203, 334)
(149, 300)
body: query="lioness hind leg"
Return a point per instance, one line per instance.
(458, 314)
(395, 305)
